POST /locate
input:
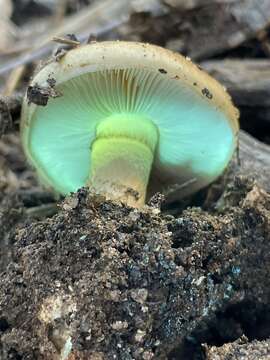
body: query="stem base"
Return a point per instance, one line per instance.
(121, 159)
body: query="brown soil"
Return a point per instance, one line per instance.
(119, 283)
(240, 349)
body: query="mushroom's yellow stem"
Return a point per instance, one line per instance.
(122, 157)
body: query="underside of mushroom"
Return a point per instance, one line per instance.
(130, 120)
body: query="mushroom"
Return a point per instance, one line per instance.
(127, 119)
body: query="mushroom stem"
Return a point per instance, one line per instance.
(122, 157)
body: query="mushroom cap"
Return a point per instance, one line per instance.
(195, 118)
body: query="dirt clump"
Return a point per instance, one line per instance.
(240, 349)
(100, 280)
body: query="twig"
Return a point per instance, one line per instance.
(42, 211)
(178, 187)
(13, 80)
(9, 106)
(60, 11)
(98, 19)
(5, 117)
(65, 41)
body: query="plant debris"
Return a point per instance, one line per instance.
(40, 95)
(5, 117)
(10, 107)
